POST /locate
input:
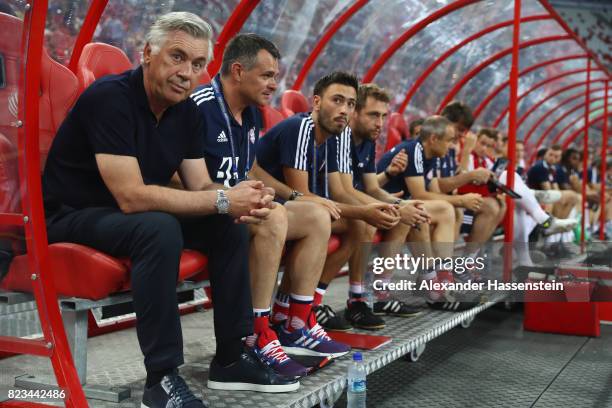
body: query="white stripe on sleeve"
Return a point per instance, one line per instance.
(418, 158)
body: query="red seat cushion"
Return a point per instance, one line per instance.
(83, 272)
(78, 271)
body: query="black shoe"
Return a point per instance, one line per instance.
(361, 316)
(393, 307)
(171, 392)
(248, 374)
(452, 306)
(327, 318)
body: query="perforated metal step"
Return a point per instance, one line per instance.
(115, 359)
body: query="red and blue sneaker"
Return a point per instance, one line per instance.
(269, 351)
(310, 341)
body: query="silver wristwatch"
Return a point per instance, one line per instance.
(222, 203)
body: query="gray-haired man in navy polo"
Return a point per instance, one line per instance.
(105, 186)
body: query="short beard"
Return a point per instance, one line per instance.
(357, 131)
(326, 128)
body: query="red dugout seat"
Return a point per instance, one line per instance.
(397, 130)
(9, 178)
(98, 60)
(293, 102)
(397, 122)
(205, 78)
(270, 117)
(83, 272)
(10, 41)
(393, 138)
(58, 92)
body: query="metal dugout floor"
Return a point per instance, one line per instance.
(493, 363)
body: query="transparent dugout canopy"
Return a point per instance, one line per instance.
(297, 26)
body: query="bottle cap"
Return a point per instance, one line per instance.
(357, 356)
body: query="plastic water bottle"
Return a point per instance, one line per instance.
(356, 390)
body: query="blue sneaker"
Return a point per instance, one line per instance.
(171, 392)
(269, 350)
(312, 341)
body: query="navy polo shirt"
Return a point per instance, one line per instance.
(356, 160)
(220, 160)
(446, 166)
(291, 143)
(563, 175)
(540, 173)
(113, 116)
(417, 166)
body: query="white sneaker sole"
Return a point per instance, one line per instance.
(557, 229)
(300, 351)
(237, 386)
(536, 276)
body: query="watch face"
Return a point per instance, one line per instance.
(222, 204)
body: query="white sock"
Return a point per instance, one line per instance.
(523, 225)
(527, 201)
(355, 287)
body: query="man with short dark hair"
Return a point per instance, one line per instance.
(356, 162)
(105, 186)
(233, 123)
(543, 176)
(568, 171)
(415, 127)
(297, 152)
(460, 115)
